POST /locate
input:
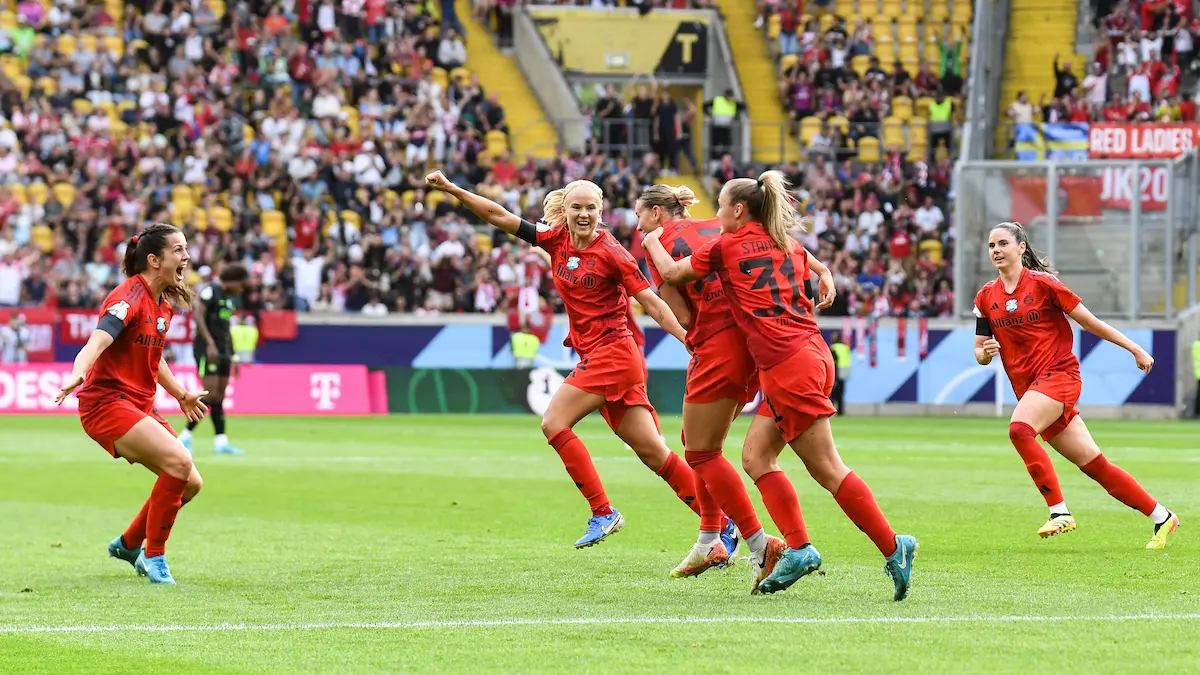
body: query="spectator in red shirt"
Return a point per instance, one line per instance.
(1117, 110)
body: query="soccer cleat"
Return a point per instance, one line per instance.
(793, 565)
(154, 568)
(227, 449)
(186, 441)
(116, 549)
(700, 559)
(764, 567)
(731, 538)
(1058, 523)
(1162, 531)
(899, 564)
(599, 527)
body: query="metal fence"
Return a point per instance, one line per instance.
(1127, 257)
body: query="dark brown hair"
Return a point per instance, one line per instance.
(153, 241)
(1031, 258)
(234, 273)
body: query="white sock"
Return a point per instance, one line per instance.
(1160, 514)
(221, 440)
(185, 435)
(708, 537)
(1059, 508)
(757, 543)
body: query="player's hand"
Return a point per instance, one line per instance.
(71, 386)
(192, 407)
(438, 181)
(991, 348)
(826, 291)
(1144, 361)
(652, 237)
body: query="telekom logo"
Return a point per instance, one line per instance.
(326, 388)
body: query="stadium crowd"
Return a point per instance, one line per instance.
(295, 138)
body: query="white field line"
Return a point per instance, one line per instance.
(592, 621)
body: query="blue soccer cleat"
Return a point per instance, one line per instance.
(186, 440)
(899, 564)
(599, 527)
(794, 565)
(116, 549)
(155, 568)
(731, 538)
(227, 450)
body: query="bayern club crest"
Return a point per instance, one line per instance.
(573, 263)
(1011, 305)
(162, 325)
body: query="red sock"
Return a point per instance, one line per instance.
(727, 488)
(165, 500)
(856, 500)
(575, 457)
(1123, 487)
(779, 496)
(682, 480)
(135, 534)
(1037, 462)
(712, 519)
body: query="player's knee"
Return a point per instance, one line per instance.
(551, 426)
(755, 465)
(178, 464)
(195, 482)
(1020, 431)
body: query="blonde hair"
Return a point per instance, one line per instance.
(1031, 258)
(674, 200)
(768, 203)
(554, 206)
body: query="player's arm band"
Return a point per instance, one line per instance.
(527, 231)
(982, 327)
(111, 325)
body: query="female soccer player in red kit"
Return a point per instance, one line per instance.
(761, 270)
(594, 275)
(120, 369)
(1022, 317)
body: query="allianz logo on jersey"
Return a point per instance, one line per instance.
(325, 388)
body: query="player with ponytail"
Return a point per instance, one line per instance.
(1022, 317)
(762, 272)
(117, 374)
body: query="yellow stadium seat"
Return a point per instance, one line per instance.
(64, 193)
(222, 218)
(918, 131)
(774, 25)
(18, 192)
(892, 9)
(839, 122)
(87, 42)
(868, 8)
(408, 199)
(66, 44)
(923, 104)
(809, 127)
(353, 218)
(351, 114)
(460, 72)
(483, 241)
(939, 11)
(38, 193)
(893, 132)
(860, 64)
(868, 149)
(906, 30)
(961, 12)
(787, 61)
(200, 219)
(43, 237)
(218, 7)
(114, 44)
(11, 66)
(81, 106)
(8, 21)
(932, 53)
(886, 52)
(825, 22)
(902, 108)
(435, 198)
(389, 198)
(917, 152)
(24, 84)
(907, 53)
(274, 224)
(440, 77)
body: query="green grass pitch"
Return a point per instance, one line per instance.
(443, 545)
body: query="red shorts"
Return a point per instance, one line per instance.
(108, 421)
(721, 368)
(616, 371)
(1064, 388)
(797, 389)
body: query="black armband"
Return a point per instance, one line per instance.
(982, 327)
(527, 231)
(111, 325)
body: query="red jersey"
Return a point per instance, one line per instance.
(705, 297)
(595, 283)
(129, 367)
(1031, 326)
(765, 291)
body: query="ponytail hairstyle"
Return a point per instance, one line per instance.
(674, 201)
(768, 202)
(148, 242)
(554, 206)
(1031, 258)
